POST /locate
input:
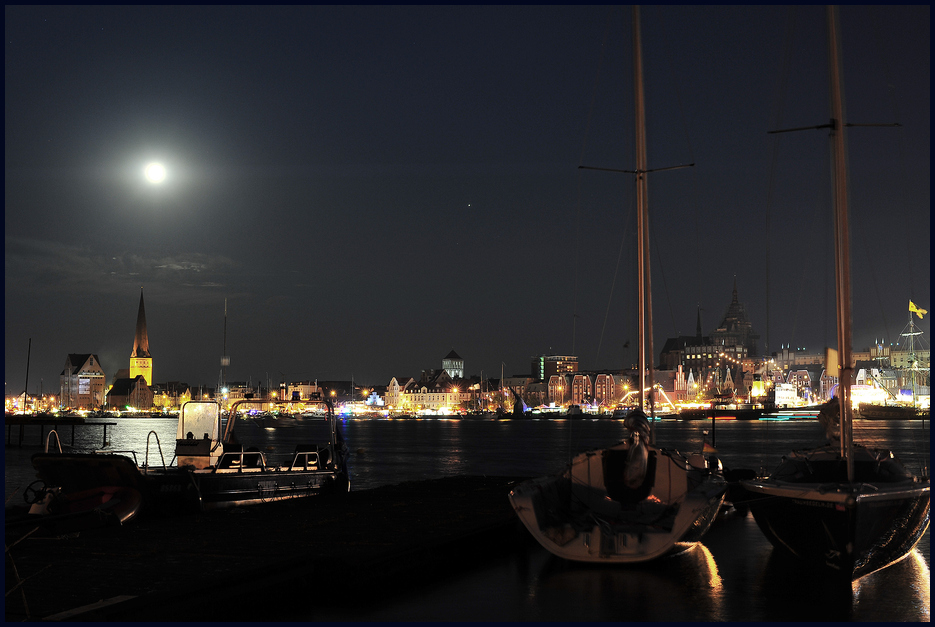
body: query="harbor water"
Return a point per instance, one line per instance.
(733, 575)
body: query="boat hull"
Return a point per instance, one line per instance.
(722, 414)
(80, 476)
(587, 522)
(87, 490)
(890, 412)
(852, 529)
(210, 489)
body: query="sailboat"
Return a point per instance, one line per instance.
(851, 509)
(632, 502)
(912, 374)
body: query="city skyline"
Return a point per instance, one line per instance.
(141, 340)
(362, 188)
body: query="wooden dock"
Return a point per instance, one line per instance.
(269, 562)
(57, 424)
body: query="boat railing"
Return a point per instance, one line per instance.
(58, 442)
(241, 461)
(159, 446)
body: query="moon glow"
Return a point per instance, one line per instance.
(155, 173)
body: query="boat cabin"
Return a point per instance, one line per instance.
(197, 440)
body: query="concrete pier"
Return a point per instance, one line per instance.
(268, 562)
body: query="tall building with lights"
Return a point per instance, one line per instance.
(454, 365)
(141, 361)
(544, 366)
(735, 329)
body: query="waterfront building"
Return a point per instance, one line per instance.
(130, 393)
(718, 359)
(302, 390)
(537, 393)
(435, 393)
(519, 383)
(171, 395)
(141, 361)
(544, 366)
(582, 389)
(82, 382)
(736, 329)
(609, 389)
(559, 389)
(917, 358)
(453, 365)
(395, 391)
(525, 386)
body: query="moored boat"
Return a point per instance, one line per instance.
(722, 413)
(868, 411)
(851, 509)
(632, 502)
(629, 503)
(210, 470)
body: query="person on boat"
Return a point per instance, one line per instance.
(829, 417)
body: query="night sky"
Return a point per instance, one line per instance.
(372, 187)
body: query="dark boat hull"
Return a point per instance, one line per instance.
(177, 490)
(722, 414)
(852, 529)
(890, 412)
(206, 490)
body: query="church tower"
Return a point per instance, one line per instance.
(141, 362)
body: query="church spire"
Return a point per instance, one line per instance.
(141, 339)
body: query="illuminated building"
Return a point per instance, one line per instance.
(82, 382)
(141, 361)
(453, 365)
(544, 366)
(716, 358)
(433, 393)
(131, 393)
(582, 389)
(396, 389)
(735, 329)
(609, 389)
(171, 395)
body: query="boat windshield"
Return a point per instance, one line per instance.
(200, 418)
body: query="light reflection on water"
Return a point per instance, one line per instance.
(735, 575)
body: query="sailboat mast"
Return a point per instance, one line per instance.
(642, 218)
(841, 240)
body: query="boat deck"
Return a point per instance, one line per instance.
(267, 562)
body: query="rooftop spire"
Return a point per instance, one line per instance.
(141, 339)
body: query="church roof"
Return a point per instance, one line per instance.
(141, 339)
(452, 355)
(123, 387)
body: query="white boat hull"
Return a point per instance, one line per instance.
(576, 517)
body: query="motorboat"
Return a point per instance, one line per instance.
(210, 469)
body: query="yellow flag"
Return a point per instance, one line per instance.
(918, 312)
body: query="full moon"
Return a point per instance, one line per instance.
(155, 173)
